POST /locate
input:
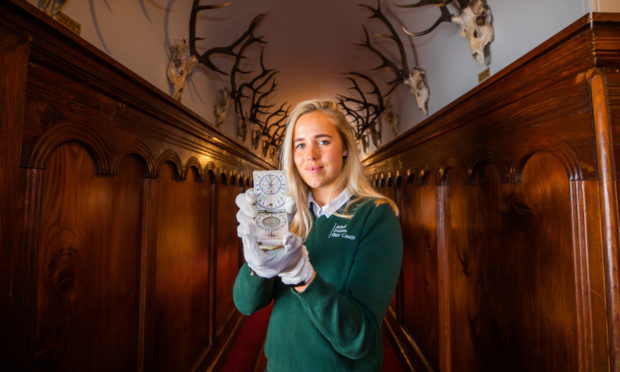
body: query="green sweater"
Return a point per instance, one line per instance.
(335, 324)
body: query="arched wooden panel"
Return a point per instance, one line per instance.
(181, 271)
(420, 311)
(227, 250)
(512, 271)
(88, 265)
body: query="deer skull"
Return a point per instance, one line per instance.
(418, 87)
(220, 109)
(180, 66)
(474, 18)
(476, 27)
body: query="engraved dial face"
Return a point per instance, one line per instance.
(270, 191)
(271, 227)
(271, 221)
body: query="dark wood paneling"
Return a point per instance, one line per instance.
(14, 51)
(419, 271)
(227, 248)
(88, 265)
(181, 267)
(109, 259)
(526, 239)
(512, 275)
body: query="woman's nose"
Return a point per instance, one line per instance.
(312, 153)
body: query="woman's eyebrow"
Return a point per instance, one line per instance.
(320, 135)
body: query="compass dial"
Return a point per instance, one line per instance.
(270, 191)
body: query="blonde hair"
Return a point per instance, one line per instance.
(352, 176)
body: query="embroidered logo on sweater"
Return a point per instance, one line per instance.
(340, 231)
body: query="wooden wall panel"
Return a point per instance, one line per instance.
(472, 231)
(88, 265)
(227, 248)
(109, 261)
(419, 272)
(14, 51)
(181, 271)
(512, 271)
(526, 241)
(613, 89)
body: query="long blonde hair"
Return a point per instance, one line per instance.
(352, 176)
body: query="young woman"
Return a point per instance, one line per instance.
(332, 283)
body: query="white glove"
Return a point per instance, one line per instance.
(291, 208)
(264, 264)
(302, 272)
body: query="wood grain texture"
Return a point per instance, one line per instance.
(525, 196)
(419, 273)
(609, 208)
(14, 51)
(181, 271)
(228, 251)
(87, 265)
(114, 188)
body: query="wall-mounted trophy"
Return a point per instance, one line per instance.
(271, 221)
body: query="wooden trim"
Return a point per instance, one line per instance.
(609, 209)
(443, 275)
(214, 356)
(212, 261)
(14, 53)
(147, 274)
(410, 356)
(582, 279)
(32, 217)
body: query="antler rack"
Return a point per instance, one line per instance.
(367, 107)
(364, 112)
(245, 90)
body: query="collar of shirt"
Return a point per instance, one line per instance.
(328, 209)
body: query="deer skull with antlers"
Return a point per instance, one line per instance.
(180, 66)
(417, 85)
(475, 20)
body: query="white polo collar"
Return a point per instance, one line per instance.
(328, 209)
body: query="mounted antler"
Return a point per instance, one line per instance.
(365, 108)
(414, 78)
(476, 24)
(254, 91)
(272, 132)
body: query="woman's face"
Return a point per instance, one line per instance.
(318, 154)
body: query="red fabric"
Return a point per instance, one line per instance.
(391, 363)
(248, 346)
(249, 343)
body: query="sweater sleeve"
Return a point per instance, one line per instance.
(251, 292)
(351, 319)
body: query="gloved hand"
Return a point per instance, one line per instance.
(302, 272)
(291, 208)
(266, 264)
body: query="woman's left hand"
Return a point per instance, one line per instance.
(302, 272)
